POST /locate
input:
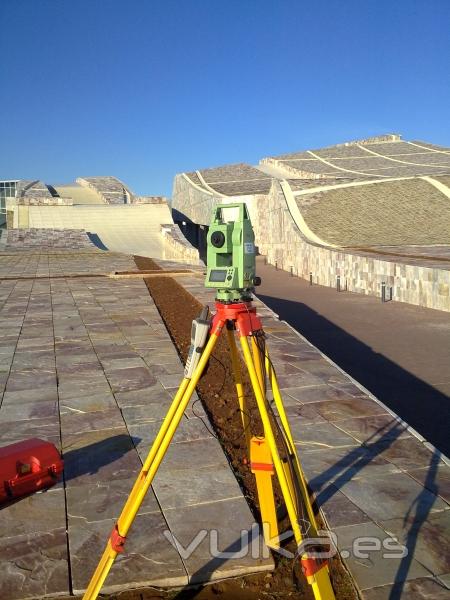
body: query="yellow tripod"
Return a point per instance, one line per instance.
(265, 456)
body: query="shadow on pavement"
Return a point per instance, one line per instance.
(414, 519)
(418, 512)
(94, 457)
(96, 240)
(425, 408)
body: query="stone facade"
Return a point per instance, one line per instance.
(33, 189)
(192, 201)
(47, 239)
(279, 238)
(283, 244)
(44, 201)
(176, 245)
(149, 200)
(111, 189)
(392, 213)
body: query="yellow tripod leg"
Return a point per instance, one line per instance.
(261, 466)
(245, 417)
(260, 458)
(320, 581)
(271, 439)
(284, 421)
(258, 365)
(116, 541)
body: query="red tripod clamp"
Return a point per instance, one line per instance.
(242, 314)
(116, 540)
(311, 565)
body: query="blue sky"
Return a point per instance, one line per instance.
(142, 89)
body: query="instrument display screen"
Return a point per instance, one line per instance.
(217, 275)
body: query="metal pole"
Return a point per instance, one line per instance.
(390, 293)
(292, 271)
(338, 283)
(276, 265)
(310, 278)
(383, 291)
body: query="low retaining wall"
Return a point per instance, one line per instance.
(149, 200)
(176, 245)
(38, 201)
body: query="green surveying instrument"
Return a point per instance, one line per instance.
(231, 271)
(231, 267)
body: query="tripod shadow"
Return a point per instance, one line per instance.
(353, 462)
(421, 405)
(413, 520)
(202, 576)
(417, 513)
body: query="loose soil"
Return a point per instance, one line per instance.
(217, 393)
(146, 264)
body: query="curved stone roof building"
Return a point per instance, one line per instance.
(382, 197)
(104, 212)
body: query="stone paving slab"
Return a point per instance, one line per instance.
(150, 558)
(431, 539)
(222, 517)
(38, 513)
(34, 565)
(372, 475)
(366, 561)
(417, 589)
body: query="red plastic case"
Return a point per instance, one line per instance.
(28, 466)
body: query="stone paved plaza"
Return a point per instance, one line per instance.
(87, 364)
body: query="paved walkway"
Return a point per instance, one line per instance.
(400, 352)
(372, 475)
(86, 363)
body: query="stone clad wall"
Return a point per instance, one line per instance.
(192, 202)
(176, 245)
(149, 200)
(281, 241)
(278, 238)
(111, 190)
(48, 239)
(33, 189)
(44, 201)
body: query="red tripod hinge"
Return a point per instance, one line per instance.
(117, 541)
(311, 565)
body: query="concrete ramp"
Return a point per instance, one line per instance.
(131, 229)
(79, 194)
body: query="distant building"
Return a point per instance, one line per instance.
(8, 189)
(369, 212)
